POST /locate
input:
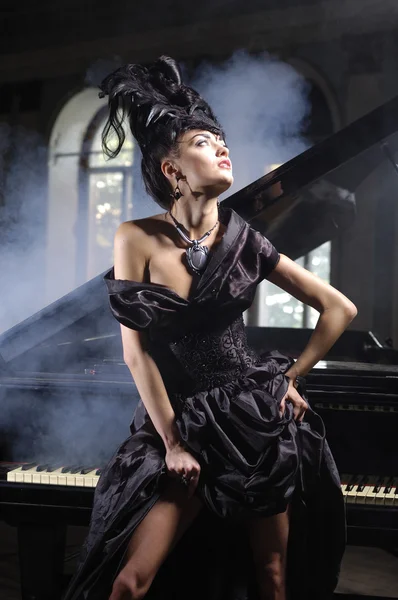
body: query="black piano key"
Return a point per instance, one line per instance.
(71, 468)
(389, 484)
(353, 481)
(42, 467)
(77, 469)
(378, 485)
(87, 470)
(52, 468)
(98, 472)
(362, 483)
(66, 469)
(28, 466)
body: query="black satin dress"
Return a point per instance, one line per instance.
(253, 461)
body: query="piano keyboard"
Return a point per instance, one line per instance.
(370, 490)
(357, 489)
(46, 474)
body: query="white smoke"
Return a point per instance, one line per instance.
(262, 104)
(22, 229)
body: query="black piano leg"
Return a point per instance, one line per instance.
(41, 551)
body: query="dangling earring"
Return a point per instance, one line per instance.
(177, 192)
(218, 202)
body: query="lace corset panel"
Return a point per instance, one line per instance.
(215, 357)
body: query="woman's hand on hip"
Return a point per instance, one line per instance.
(182, 465)
(298, 402)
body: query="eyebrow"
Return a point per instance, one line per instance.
(206, 135)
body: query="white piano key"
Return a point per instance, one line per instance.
(84, 479)
(63, 477)
(351, 490)
(359, 488)
(73, 479)
(37, 476)
(380, 497)
(90, 480)
(365, 495)
(56, 477)
(390, 496)
(371, 496)
(14, 473)
(344, 479)
(80, 479)
(364, 489)
(28, 476)
(44, 476)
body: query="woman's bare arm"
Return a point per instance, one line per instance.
(336, 310)
(130, 261)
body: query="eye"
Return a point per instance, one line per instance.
(201, 142)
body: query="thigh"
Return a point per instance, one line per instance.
(268, 539)
(161, 529)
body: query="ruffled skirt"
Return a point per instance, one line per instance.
(254, 463)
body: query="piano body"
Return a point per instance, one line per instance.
(62, 377)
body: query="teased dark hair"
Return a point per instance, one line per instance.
(158, 108)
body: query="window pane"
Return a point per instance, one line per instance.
(105, 214)
(279, 309)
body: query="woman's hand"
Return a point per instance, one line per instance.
(299, 404)
(181, 463)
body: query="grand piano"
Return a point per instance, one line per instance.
(62, 377)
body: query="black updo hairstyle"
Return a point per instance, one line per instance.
(158, 108)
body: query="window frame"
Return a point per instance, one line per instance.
(85, 170)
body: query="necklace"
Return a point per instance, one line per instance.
(197, 255)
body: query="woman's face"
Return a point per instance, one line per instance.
(203, 162)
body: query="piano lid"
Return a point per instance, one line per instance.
(298, 206)
(311, 198)
(64, 335)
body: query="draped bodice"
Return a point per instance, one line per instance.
(201, 341)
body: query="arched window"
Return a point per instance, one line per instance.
(64, 207)
(88, 195)
(105, 199)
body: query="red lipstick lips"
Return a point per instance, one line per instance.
(226, 162)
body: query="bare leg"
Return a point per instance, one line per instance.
(268, 539)
(153, 539)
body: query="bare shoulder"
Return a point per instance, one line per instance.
(134, 244)
(134, 233)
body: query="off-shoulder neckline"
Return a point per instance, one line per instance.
(209, 269)
(144, 284)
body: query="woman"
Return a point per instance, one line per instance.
(226, 488)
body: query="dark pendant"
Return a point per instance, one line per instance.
(197, 257)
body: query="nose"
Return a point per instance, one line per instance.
(222, 151)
